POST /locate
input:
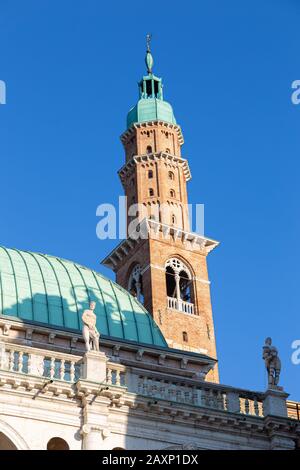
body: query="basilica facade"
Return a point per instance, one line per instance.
(153, 382)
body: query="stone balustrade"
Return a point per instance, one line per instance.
(58, 366)
(202, 394)
(151, 384)
(180, 305)
(116, 375)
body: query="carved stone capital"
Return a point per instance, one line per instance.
(88, 428)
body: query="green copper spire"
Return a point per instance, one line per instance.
(151, 105)
(149, 59)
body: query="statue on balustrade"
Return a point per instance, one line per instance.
(272, 362)
(89, 331)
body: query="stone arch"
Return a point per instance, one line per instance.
(12, 437)
(6, 443)
(183, 260)
(180, 287)
(57, 443)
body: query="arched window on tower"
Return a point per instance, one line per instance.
(150, 174)
(185, 337)
(179, 284)
(172, 193)
(135, 283)
(173, 219)
(171, 175)
(149, 149)
(151, 192)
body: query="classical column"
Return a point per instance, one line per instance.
(178, 296)
(138, 290)
(92, 437)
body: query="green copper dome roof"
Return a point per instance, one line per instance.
(52, 291)
(150, 109)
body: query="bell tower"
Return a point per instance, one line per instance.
(162, 262)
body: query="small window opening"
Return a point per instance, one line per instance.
(148, 88)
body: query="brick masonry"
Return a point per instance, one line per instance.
(166, 179)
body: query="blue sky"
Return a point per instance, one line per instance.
(71, 70)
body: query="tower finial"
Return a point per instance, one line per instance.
(148, 39)
(149, 59)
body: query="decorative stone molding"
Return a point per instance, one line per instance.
(87, 428)
(191, 446)
(128, 169)
(51, 338)
(282, 443)
(28, 334)
(139, 354)
(6, 329)
(153, 229)
(162, 359)
(106, 433)
(73, 342)
(140, 125)
(116, 350)
(184, 363)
